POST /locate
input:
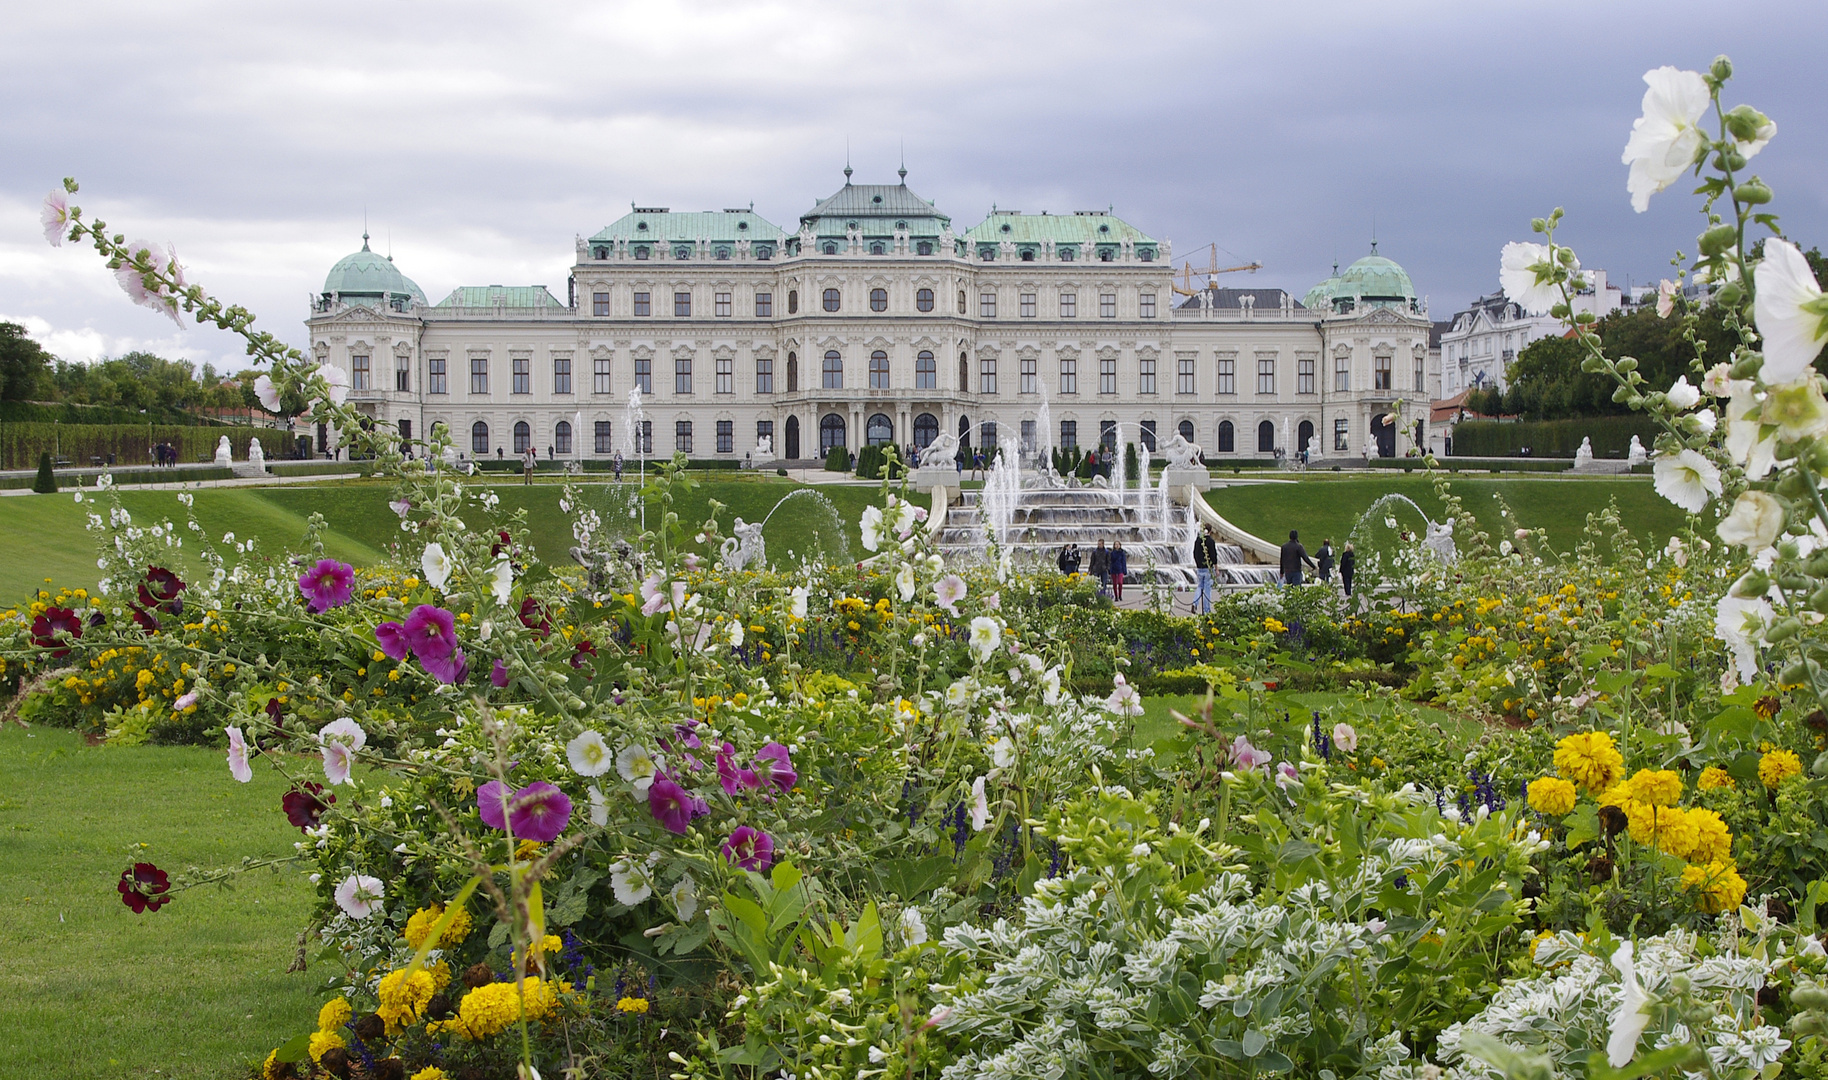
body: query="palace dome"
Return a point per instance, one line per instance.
(1373, 281)
(368, 275)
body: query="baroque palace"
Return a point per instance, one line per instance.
(875, 322)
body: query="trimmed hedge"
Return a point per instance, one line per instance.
(79, 444)
(1470, 464)
(1611, 436)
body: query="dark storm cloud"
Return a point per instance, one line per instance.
(481, 138)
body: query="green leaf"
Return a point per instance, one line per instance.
(1500, 1055)
(785, 875)
(1255, 1042)
(749, 912)
(1583, 825)
(293, 1050)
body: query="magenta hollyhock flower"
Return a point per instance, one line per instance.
(50, 624)
(534, 617)
(774, 766)
(539, 811)
(161, 589)
(431, 632)
(491, 800)
(584, 648)
(391, 637)
(670, 804)
(305, 805)
(732, 778)
(498, 675)
(749, 848)
(144, 887)
(329, 584)
(454, 668)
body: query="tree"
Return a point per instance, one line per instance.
(46, 482)
(24, 364)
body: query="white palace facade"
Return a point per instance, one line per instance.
(873, 321)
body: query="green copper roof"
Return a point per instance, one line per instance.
(503, 296)
(366, 274)
(876, 208)
(1373, 280)
(1084, 228)
(658, 225)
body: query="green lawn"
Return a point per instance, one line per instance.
(1323, 506)
(88, 988)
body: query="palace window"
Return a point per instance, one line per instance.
(1066, 254)
(1421, 375)
(1146, 305)
(833, 373)
(682, 305)
(830, 248)
(523, 375)
(987, 375)
(644, 437)
(479, 374)
(1266, 374)
(764, 374)
(599, 304)
(764, 305)
(923, 299)
(1028, 435)
(793, 373)
(561, 374)
(726, 436)
(1069, 305)
(793, 301)
(1069, 434)
(1030, 375)
(831, 433)
(926, 372)
(435, 375)
(682, 436)
(479, 438)
(1342, 373)
(643, 305)
(359, 372)
(764, 429)
(1228, 375)
(961, 301)
(926, 429)
(879, 370)
(987, 305)
(1186, 430)
(1304, 375)
(1145, 374)
(602, 439)
(879, 430)
(1146, 435)
(1184, 380)
(1107, 434)
(561, 437)
(726, 375)
(1266, 438)
(403, 373)
(925, 247)
(1107, 305)
(1069, 375)
(720, 305)
(682, 374)
(1342, 433)
(1028, 305)
(1107, 375)
(644, 375)
(879, 298)
(831, 299)
(599, 375)
(1228, 439)
(523, 436)
(1380, 373)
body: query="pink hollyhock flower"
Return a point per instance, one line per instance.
(539, 811)
(267, 393)
(491, 800)
(454, 668)
(773, 765)
(238, 755)
(949, 590)
(391, 637)
(1246, 756)
(749, 848)
(55, 217)
(340, 738)
(329, 584)
(133, 279)
(360, 895)
(1124, 700)
(338, 379)
(732, 778)
(1287, 774)
(337, 761)
(498, 675)
(670, 804)
(401, 507)
(1345, 736)
(184, 702)
(431, 632)
(980, 806)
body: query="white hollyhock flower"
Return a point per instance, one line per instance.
(986, 635)
(871, 525)
(599, 807)
(1797, 410)
(1683, 397)
(267, 393)
(1666, 298)
(1754, 523)
(338, 381)
(798, 605)
(1740, 623)
(684, 895)
(1790, 311)
(904, 582)
(55, 217)
(638, 767)
(1345, 736)
(1687, 479)
(980, 806)
(1124, 700)
(1632, 1018)
(436, 565)
(913, 930)
(735, 633)
(1003, 752)
(501, 581)
(1533, 290)
(632, 880)
(360, 895)
(1050, 687)
(1745, 438)
(1719, 380)
(589, 755)
(1665, 141)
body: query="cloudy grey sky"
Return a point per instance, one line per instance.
(481, 137)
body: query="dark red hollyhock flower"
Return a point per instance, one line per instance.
(52, 622)
(505, 541)
(534, 617)
(585, 647)
(305, 805)
(144, 887)
(160, 590)
(147, 620)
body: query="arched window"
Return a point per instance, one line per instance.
(925, 247)
(830, 248)
(1304, 436)
(831, 433)
(834, 371)
(879, 370)
(561, 437)
(876, 248)
(879, 298)
(523, 436)
(1066, 254)
(682, 253)
(964, 372)
(479, 438)
(879, 430)
(641, 254)
(926, 372)
(926, 429)
(1227, 441)
(831, 299)
(964, 431)
(793, 438)
(1186, 430)
(923, 299)
(793, 301)
(793, 373)
(1266, 438)
(961, 301)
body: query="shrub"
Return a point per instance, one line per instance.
(839, 460)
(46, 484)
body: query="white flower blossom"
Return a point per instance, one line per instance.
(1523, 282)
(1755, 522)
(638, 767)
(1790, 311)
(1687, 479)
(588, 754)
(436, 565)
(1665, 141)
(360, 895)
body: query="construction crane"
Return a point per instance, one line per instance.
(1211, 268)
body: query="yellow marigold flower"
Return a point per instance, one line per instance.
(1676, 832)
(1777, 766)
(1551, 795)
(1714, 841)
(488, 1010)
(1274, 625)
(323, 1042)
(430, 1072)
(419, 927)
(632, 1005)
(1715, 777)
(270, 1070)
(335, 1013)
(1590, 759)
(402, 998)
(1721, 886)
(1658, 787)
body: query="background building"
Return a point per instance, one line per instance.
(1478, 347)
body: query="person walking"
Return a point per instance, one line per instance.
(1293, 555)
(1069, 559)
(1205, 557)
(1348, 564)
(1120, 565)
(526, 466)
(1101, 566)
(618, 466)
(1326, 561)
